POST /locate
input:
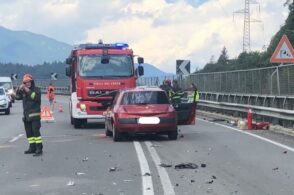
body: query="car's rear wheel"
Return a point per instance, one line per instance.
(173, 135)
(116, 135)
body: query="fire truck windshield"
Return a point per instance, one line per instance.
(118, 66)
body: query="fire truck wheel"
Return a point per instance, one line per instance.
(77, 123)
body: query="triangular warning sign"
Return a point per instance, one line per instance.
(284, 53)
(46, 114)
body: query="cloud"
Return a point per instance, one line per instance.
(160, 30)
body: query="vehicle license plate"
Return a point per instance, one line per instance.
(149, 120)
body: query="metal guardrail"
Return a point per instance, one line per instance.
(259, 110)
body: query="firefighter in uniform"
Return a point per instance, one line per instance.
(175, 93)
(31, 98)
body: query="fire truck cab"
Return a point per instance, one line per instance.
(97, 72)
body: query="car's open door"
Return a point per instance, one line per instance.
(186, 113)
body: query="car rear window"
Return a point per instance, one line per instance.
(144, 97)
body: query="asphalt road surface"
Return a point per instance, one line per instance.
(86, 162)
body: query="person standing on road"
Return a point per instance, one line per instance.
(194, 94)
(51, 95)
(31, 98)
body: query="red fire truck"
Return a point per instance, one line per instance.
(97, 72)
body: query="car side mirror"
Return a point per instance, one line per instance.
(68, 71)
(68, 61)
(140, 60)
(140, 70)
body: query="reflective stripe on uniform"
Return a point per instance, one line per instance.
(33, 95)
(38, 140)
(34, 114)
(31, 140)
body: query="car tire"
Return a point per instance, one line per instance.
(115, 135)
(173, 135)
(7, 111)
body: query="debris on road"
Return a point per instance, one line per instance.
(181, 136)
(203, 165)
(147, 174)
(71, 183)
(165, 165)
(276, 168)
(177, 184)
(85, 159)
(127, 180)
(209, 182)
(285, 152)
(213, 177)
(155, 145)
(217, 120)
(112, 169)
(34, 185)
(186, 166)
(192, 180)
(80, 173)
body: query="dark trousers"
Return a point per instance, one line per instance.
(33, 131)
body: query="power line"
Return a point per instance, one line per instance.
(247, 24)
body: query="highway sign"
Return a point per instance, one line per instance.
(13, 76)
(53, 76)
(284, 53)
(183, 67)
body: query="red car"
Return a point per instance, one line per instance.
(146, 110)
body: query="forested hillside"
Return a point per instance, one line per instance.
(254, 59)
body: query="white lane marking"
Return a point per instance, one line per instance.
(163, 175)
(147, 186)
(253, 135)
(16, 138)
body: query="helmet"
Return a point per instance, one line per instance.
(27, 77)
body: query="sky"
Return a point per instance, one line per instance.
(161, 31)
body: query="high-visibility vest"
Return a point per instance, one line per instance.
(193, 96)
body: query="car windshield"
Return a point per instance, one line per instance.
(6, 85)
(119, 65)
(2, 91)
(144, 97)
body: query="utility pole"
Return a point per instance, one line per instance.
(247, 22)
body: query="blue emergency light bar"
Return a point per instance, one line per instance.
(103, 46)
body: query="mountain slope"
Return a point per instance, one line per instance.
(152, 71)
(28, 48)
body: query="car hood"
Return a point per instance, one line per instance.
(146, 109)
(3, 97)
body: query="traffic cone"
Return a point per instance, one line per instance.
(249, 119)
(60, 108)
